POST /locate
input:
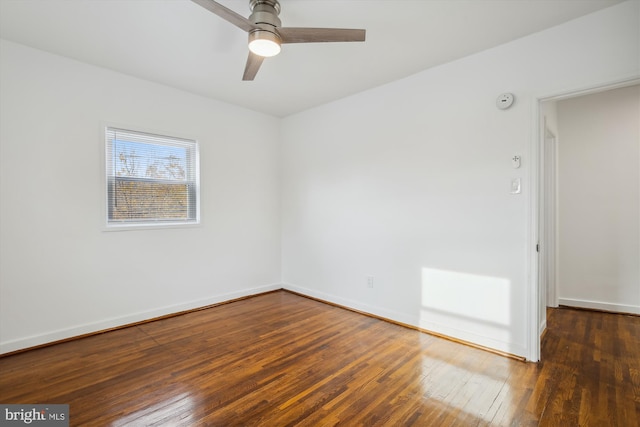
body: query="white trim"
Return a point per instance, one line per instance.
(551, 237)
(412, 320)
(599, 305)
(543, 326)
(151, 226)
(355, 305)
(87, 328)
(591, 89)
(105, 225)
(533, 300)
(533, 285)
(547, 227)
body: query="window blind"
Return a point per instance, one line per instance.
(150, 178)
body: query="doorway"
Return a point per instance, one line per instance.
(581, 241)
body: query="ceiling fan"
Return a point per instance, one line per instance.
(266, 34)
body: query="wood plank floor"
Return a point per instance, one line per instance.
(280, 359)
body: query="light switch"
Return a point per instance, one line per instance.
(516, 187)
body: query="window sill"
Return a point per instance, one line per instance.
(152, 226)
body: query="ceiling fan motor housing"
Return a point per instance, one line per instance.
(265, 12)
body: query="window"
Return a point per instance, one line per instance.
(151, 179)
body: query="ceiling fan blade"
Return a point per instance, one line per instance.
(227, 14)
(253, 65)
(320, 35)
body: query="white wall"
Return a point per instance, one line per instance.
(409, 183)
(599, 192)
(62, 275)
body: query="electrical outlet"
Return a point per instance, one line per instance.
(369, 281)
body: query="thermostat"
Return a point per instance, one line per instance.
(515, 161)
(504, 101)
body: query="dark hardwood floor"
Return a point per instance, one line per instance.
(280, 359)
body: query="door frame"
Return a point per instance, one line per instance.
(549, 218)
(536, 181)
(547, 225)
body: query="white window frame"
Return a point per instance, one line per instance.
(192, 147)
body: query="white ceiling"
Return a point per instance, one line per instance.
(180, 44)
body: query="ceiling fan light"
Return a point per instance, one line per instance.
(264, 43)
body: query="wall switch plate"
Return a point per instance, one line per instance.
(516, 186)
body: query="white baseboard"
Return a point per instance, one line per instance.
(398, 317)
(543, 326)
(599, 305)
(415, 321)
(88, 328)
(412, 320)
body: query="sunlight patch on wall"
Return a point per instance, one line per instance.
(468, 296)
